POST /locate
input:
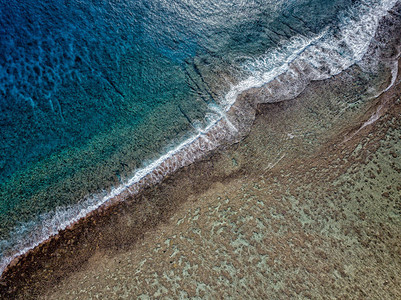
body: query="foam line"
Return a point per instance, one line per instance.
(300, 54)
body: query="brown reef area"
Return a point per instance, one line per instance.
(307, 205)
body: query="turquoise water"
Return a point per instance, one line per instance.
(90, 91)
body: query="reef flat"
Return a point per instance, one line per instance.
(308, 205)
(304, 203)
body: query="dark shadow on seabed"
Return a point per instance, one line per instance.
(303, 215)
(93, 91)
(300, 207)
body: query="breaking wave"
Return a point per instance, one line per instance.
(281, 74)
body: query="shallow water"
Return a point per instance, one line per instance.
(93, 91)
(290, 211)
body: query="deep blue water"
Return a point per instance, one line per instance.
(90, 90)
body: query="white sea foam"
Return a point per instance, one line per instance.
(394, 75)
(302, 60)
(289, 70)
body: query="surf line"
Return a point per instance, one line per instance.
(184, 154)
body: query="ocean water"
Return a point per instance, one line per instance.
(95, 95)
